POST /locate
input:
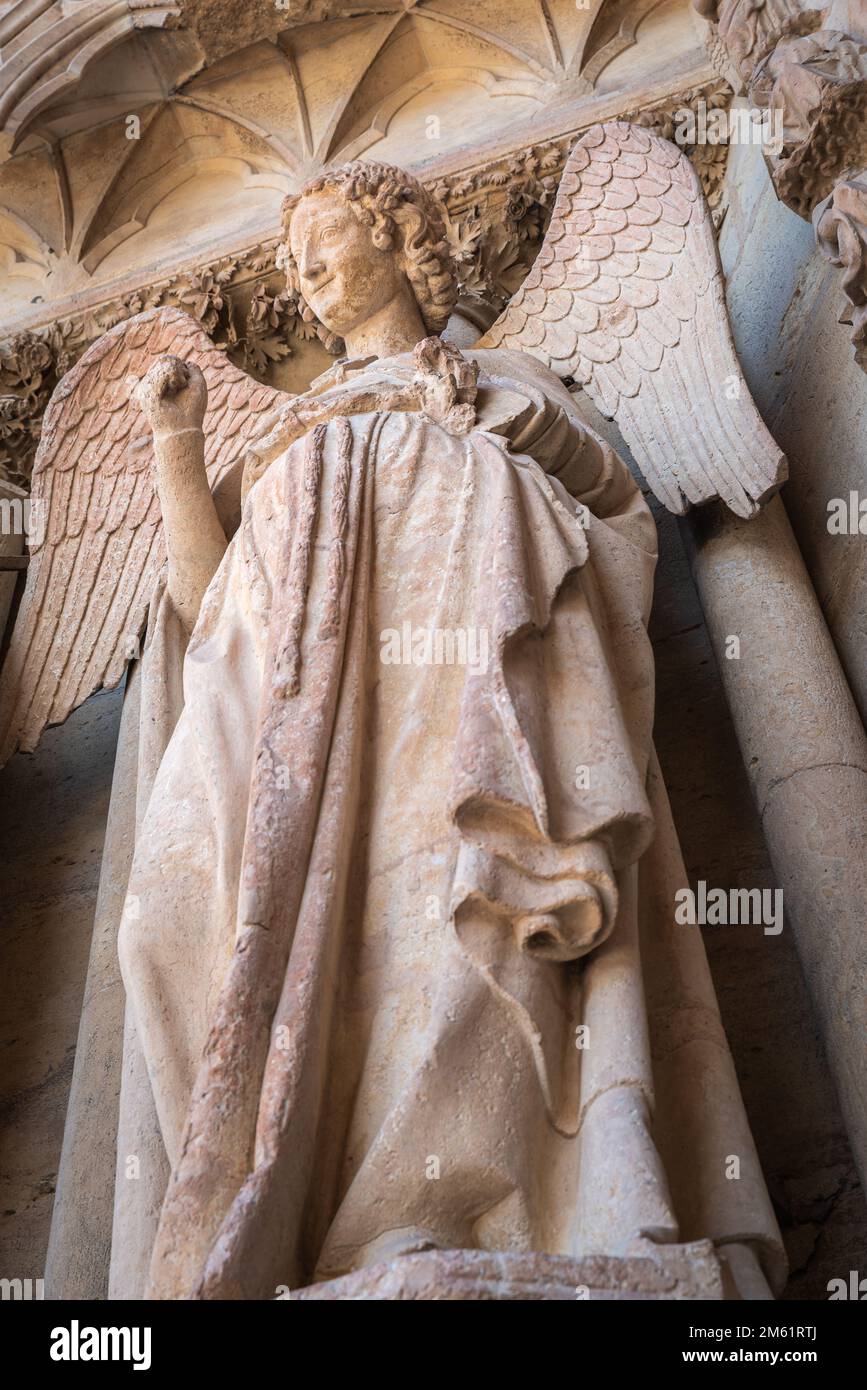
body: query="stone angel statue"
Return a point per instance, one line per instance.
(408, 1013)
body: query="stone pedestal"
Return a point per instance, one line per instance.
(670, 1272)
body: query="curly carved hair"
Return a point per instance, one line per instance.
(402, 216)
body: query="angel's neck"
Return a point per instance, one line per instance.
(393, 329)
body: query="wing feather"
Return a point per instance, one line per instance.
(91, 577)
(645, 329)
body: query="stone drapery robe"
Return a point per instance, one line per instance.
(402, 969)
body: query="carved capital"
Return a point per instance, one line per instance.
(808, 69)
(743, 32)
(807, 66)
(841, 232)
(817, 85)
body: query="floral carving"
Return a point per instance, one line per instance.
(271, 317)
(27, 377)
(205, 298)
(497, 269)
(494, 253)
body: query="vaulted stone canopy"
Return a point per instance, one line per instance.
(121, 122)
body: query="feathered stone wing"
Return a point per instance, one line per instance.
(94, 568)
(627, 297)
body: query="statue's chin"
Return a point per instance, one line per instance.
(337, 329)
(326, 319)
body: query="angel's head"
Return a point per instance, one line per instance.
(365, 245)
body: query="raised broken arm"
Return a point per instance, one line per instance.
(173, 397)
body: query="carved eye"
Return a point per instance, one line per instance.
(328, 234)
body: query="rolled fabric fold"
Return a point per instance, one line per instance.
(559, 901)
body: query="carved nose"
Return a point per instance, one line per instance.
(312, 270)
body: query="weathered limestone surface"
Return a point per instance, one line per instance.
(677, 1272)
(806, 753)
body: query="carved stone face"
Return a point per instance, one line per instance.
(343, 277)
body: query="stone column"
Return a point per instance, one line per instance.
(79, 1245)
(805, 752)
